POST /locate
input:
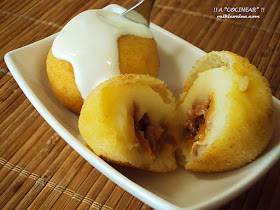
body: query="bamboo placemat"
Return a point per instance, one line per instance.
(38, 169)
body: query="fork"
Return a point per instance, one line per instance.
(141, 12)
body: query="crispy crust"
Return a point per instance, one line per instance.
(138, 55)
(62, 80)
(122, 163)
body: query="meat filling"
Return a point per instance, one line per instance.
(150, 137)
(195, 118)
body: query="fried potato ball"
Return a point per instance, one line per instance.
(62, 80)
(128, 120)
(136, 55)
(226, 114)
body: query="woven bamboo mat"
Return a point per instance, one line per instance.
(38, 169)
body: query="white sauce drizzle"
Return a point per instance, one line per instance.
(89, 43)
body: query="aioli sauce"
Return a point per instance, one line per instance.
(89, 43)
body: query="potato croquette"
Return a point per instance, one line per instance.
(128, 120)
(226, 114)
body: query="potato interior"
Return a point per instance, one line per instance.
(205, 107)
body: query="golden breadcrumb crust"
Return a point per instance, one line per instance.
(62, 80)
(138, 55)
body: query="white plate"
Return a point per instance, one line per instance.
(180, 189)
